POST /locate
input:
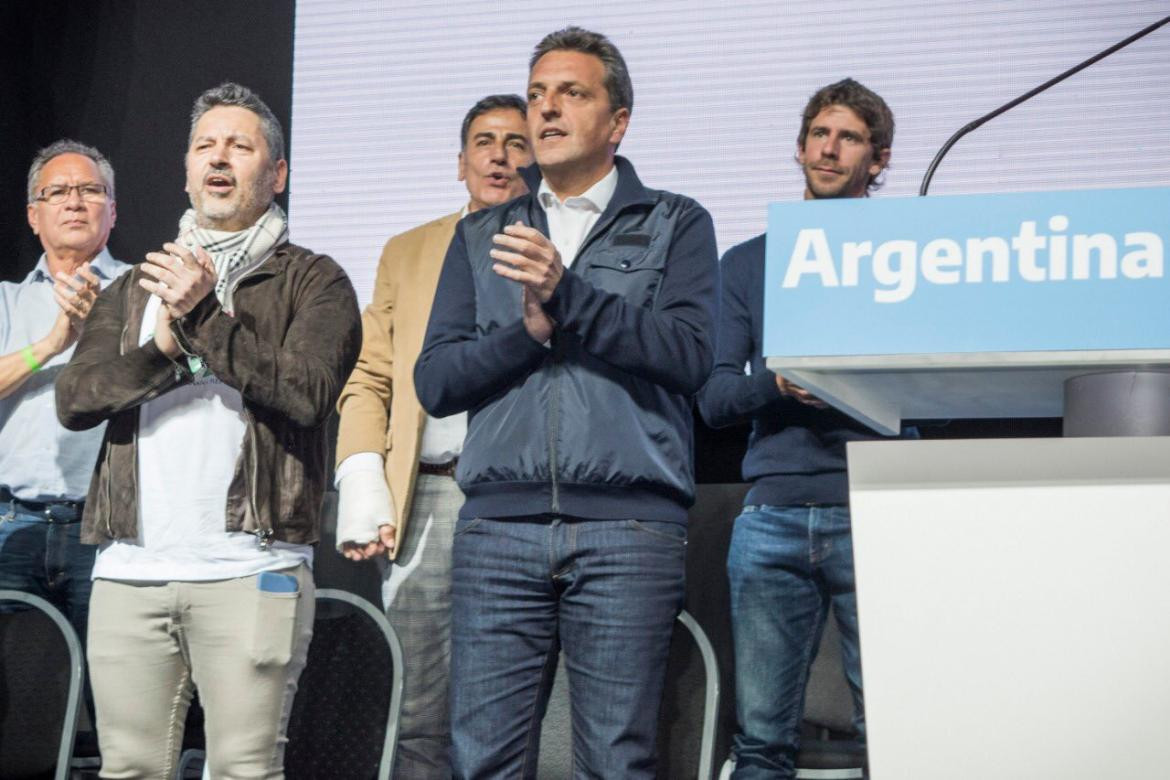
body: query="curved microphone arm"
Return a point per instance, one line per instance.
(1028, 95)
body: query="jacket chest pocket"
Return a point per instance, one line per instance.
(635, 273)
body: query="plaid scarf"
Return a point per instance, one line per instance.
(235, 254)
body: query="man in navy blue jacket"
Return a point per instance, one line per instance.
(575, 323)
(791, 553)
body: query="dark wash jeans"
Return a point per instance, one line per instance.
(607, 593)
(786, 566)
(48, 560)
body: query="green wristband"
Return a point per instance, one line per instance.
(30, 359)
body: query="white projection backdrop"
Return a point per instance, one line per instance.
(380, 88)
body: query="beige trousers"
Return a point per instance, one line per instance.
(150, 644)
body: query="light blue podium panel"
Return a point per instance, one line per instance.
(965, 306)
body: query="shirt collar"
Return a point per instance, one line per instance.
(103, 267)
(596, 198)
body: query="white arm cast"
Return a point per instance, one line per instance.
(363, 502)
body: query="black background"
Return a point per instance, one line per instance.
(121, 75)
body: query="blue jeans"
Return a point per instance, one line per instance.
(786, 566)
(607, 592)
(46, 559)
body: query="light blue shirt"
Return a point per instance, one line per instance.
(39, 459)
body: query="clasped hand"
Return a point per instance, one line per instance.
(179, 277)
(75, 295)
(525, 255)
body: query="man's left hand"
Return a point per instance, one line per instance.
(181, 278)
(793, 390)
(75, 294)
(538, 324)
(523, 254)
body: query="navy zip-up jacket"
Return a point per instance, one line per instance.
(597, 424)
(796, 453)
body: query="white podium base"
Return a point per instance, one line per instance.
(1014, 598)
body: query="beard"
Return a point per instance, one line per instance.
(243, 206)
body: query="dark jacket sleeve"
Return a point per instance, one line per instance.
(669, 344)
(99, 381)
(458, 367)
(302, 376)
(730, 395)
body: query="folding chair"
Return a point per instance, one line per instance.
(33, 683)
(344, 722)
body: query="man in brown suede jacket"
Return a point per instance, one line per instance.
(216, 363)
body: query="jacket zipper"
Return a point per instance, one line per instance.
(263, 535)
(109, 473)
(555, 399)
(151, 393)
(553, 422)
(110, 496)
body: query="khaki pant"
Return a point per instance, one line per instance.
(150, 644)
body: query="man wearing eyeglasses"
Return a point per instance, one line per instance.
(45, 469)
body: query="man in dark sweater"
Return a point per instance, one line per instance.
(575, 323)
(791, 554)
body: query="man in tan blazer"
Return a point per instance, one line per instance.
(396, 465)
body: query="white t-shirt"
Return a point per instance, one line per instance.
(188, 444)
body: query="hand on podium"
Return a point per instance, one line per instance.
(793, 390)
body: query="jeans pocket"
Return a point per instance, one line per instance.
(273, 627)
(674, 534)
(463, 526)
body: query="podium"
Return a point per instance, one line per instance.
(1012, 593)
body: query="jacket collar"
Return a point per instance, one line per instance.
(629, 187)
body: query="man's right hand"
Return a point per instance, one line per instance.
(365, 516)
(793, 390)
(180, 277)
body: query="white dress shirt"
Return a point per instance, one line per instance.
(570, 221)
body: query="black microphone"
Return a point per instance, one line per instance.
(1028, 95)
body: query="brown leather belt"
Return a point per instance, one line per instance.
(438, 469)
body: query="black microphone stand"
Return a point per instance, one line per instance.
(962, 131)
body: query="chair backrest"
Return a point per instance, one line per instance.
(344, 722)
(690, 704)
(687, 718)
(828, 702)
(42, 673)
